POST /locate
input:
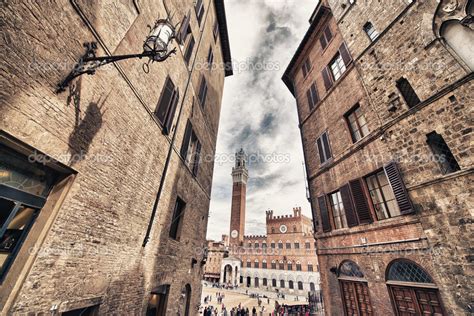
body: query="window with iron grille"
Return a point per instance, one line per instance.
(338, 212)
(312, 95)
(407, 271)
(370, 31)
(306, 67)
(442, 153)
(202, 92)
(199, 8)
(357, 123)
(383, 199)
(337, 67)
(177, 219)
(408, 94)
(323, 148)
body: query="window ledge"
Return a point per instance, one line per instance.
(376, 225)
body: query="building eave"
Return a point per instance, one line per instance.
(316, 19)
(224, 36)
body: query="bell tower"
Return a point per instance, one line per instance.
(239, 190)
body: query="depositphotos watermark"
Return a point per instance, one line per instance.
(253, 158)
(68, 157)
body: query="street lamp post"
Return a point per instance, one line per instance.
(155, 47)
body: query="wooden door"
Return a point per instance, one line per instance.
(416, 301)
(355, 297)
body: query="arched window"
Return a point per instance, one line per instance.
(290, 284)
(312, 287)
(280, 244)
(273, 230)
(250, 245)
(310, 267)
(307, 244)
(298, 266)
(256, 245)
(256, 282)
(248, 263)
(264, 264)
(274, 282)
(264, 244)
(460, 39)
(281, 265)
(274, 265)
(282, 284)
(294, 229)
(264, 282)
(255, 264)
(297, 245)
(411, 284)
(300, 285)
(187, 299)
(349, 269)
(289, 265)
(272, 245)
(288, 244)
(407, 271)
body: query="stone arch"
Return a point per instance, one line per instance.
(460, 40)
(187, 299)
(404, 270)
(349, 268)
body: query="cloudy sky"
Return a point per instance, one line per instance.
(259, 113)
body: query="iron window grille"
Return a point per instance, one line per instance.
(442, 154)
(407, 92)
(371, 31)
(407, 271)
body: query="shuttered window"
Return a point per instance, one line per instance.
(442, 153)
(323, 148)
(398, 186)
(312, 95)
(306, 67)
(189, 50)
(199, 8)
(382, 196)
(359, 198)
(167, 104)
(325, 38)
(202, 91)
(337, 67)
(327, 78)
(408, 94)
(185, 29)
(346, 198)
(323, 210)
(210, 58)
(191, 149)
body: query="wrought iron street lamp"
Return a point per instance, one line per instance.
(156, 47)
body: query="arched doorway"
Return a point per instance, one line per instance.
(412, 290)
(256, 282)
(187, 299)
(227, 273)
(249, 280)
(354, 289)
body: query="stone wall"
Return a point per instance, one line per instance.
(93, 251)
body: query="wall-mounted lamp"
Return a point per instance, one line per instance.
(155, 47)
(333, 270)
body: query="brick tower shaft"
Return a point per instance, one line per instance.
(239, 189)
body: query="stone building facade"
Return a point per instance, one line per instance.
(216, 252)
(283, 260)
(385, 112)
(85, 172)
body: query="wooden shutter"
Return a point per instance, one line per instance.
(170, 116)
(315, 217)
(303, 68)
(183, 31)
(322, 158)
(186, 139)
(327, 78)
(310, 100)
(401, 195)
(348, 207)
(328, 34)
(327, 149)
(165, 100)
(360, 201)
(203, 92)
(197, 158)
(346, 57)
(323, 42)
(314, 93)
(323, 210)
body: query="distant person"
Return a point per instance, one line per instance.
(254, 311)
